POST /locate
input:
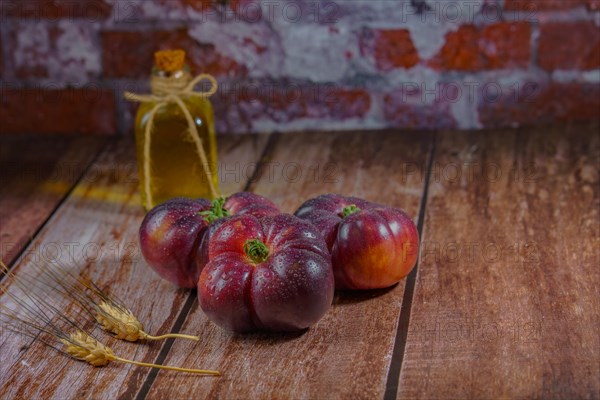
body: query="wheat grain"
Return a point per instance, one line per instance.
(120, 321)
(83, 347)
(110, 313)
(38, 318)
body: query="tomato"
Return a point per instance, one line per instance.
(169, 237)
(269, 274)
(172, 232)
(242, 203)
(372, 246)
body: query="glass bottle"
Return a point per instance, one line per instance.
(176, 169)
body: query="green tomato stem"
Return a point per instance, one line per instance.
(215, 211)
(351, 209)
(256, 250)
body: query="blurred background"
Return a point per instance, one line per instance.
(305, 65)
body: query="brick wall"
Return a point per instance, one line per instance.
(303, 64)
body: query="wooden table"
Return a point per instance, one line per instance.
(503, 303)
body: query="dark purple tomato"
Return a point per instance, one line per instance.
(169, 236)
(172, 233)
(269, 274)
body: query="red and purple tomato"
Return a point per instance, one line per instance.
(172, 233)
(272, 273)
(242, 203)
(372, 246)
(169, 236)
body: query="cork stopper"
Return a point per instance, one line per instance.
(169, 60)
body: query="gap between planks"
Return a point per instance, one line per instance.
(393, 378)
(526, 319)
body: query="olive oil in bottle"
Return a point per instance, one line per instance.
(175, 166)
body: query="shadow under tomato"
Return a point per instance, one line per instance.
(267, 338)
(345, 297)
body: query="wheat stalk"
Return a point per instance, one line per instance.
(81, 346)
(76, 342)
(110, 313)
(120, 321)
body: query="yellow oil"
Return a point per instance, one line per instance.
(175, 166)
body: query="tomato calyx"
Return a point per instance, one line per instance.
(348, 210)
(216, 210)
(256, 250)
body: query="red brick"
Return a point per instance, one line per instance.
(593, 5)
(471, 48)
(55, 9)
(461, 50)
(545, 104)
(569, 45)
(542, 5)
(316, 101)
(401, 113)
(237, 107)
(65, 111)
(506, 45)
(390, 48)
(131, 54)
(347, 103)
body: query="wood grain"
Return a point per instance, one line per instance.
(99, 223)
(506, 298)
(239, 158)
(505, 303)
(36, 173)
(346, 354)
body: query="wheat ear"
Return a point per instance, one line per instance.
(110, 313)
(82, 346)
(35, 311)
(124, 325)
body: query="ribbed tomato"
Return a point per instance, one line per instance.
(372, 246)
(270, 274)
(172, 232)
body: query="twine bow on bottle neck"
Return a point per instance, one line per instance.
(167, 90)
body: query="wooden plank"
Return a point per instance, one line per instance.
(506, 298)
(239, 157)
(36, 173)
(99, 223)
(347, 354)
